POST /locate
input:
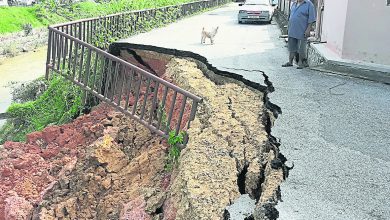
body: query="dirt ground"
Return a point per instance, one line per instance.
(15, 43)
(116, 170)
(228, 153)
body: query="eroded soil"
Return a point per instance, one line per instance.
(117, 171)
(229, 151)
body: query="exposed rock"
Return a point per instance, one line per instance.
(66, 209)
(30, 169)
(110, 184)
(17, 208)
(109, 156)
(265, 208)
(135, 209)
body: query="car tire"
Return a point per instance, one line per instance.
(240, 22)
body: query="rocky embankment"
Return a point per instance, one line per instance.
(106, 166)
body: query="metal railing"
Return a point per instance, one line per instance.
(76, 51)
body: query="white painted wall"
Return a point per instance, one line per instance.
(3, 3)
(334, 21)
(367, 31)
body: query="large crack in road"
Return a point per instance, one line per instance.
(116, 169)
(228, 152)
(231, 150)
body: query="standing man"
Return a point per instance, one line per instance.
(302, 16)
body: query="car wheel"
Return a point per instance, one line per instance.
(240, 22)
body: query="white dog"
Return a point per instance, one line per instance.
(208, 34)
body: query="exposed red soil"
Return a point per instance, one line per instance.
(30, 170)
(157, 63)
(27, 169)
(106, 166)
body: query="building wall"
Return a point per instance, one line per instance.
(283, 6)
(3, 3)
(334, 23)
(367, 31)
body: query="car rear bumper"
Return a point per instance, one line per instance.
(249, 18)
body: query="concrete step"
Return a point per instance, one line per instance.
(351, 70)
(322, 59)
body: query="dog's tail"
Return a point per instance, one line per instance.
(214, 31)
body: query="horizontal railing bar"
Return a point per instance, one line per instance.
(78, 36)
(99, 96)
(143, 72)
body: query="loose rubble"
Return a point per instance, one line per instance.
(106, 166)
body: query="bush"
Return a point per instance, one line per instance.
(27, 28)
(29, 91)
(59, 104)
(50, 11)
(10, 49)
(174, 150)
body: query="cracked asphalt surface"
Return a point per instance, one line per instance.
(335, 128)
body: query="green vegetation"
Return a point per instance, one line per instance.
(13, 18)
(59, 104)
(164, 122)
(49, 12)
(92, 9)
(174, 149)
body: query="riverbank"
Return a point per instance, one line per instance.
(13, 36)
(15, 18)
(14, 44)
(19, 69)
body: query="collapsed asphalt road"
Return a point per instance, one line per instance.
(115, 168)
(334, 128)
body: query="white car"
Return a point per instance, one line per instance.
(256, 11)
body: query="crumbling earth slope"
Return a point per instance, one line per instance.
(229, 151)
(118, 171)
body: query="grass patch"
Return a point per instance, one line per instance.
(174, 150)
(49, 12)
(59, 104)
(93, 9)
(13, 18)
